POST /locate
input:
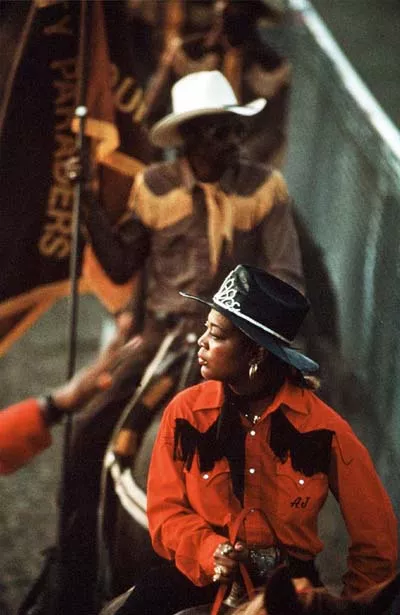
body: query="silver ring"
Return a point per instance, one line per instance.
(226, 548)
(221, 570)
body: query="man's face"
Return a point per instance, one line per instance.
(213, 140)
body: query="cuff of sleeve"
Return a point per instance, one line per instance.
(51, 413)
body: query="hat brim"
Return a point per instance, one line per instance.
(165, 133)
(283, 351)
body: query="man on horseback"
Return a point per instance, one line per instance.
(189, 221)
(192, 219)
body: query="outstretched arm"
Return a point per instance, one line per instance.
(25, 426)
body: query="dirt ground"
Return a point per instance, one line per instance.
(28, 509)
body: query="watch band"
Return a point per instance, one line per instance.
(52, 414)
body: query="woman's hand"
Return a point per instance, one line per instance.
(226, 559)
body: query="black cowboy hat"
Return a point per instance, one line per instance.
(266, 309)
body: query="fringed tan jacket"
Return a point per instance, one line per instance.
(189, 234)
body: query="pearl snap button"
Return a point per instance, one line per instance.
(252, 471)
(205, 476)
(301, 481)
(252, 433)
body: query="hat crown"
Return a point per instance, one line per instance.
(266, 309)
(200, 94)
(202, 90)
(263, 300)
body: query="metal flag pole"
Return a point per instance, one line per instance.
(64, 557)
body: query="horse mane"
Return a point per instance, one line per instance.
(252, 607)
(284, 596)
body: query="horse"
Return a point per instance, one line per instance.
(285, 596)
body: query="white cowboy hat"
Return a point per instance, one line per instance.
(201, 93)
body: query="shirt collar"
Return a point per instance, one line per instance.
(212, 396)
(291, 396)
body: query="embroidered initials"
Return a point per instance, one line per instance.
(300, 502)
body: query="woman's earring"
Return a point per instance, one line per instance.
(253, 367)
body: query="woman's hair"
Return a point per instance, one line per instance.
(304, 381)
(280, 370)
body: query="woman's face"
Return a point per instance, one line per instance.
(224, 352)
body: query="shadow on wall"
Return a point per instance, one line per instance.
(321, 329)
(369, 402)
(321, 335)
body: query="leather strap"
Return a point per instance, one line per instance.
(233, 534)
(223, 588)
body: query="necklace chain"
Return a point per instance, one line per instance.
(253, 418)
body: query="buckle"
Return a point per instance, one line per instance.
(262, 561)
(260, 564)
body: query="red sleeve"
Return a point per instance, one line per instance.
(178, 533)
(368, 514)
(23, 435)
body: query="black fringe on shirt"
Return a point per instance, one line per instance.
(310, 452)
(224, 438)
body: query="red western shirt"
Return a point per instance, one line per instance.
(186, 508)
(23, 434)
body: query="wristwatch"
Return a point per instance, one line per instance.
(51, 413)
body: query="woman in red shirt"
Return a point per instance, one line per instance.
(243, 462)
